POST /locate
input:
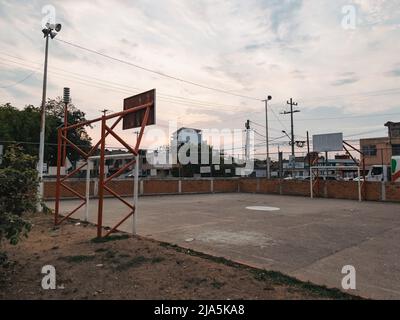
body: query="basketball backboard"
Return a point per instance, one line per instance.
(328, 142)
(135, 119)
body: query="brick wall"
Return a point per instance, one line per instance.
(374, 191)
(226, 185)
(196, 186)
(160, 187)
(393, 192)
(79, 186)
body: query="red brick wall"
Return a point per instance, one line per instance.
(296, 188)
(79, 186)
(223, 186)
(269, 186)
(342, 190)
(121, 187)
(248, 185)
(196, 186)
(373, 191)
(329, 189)
(393, 192)
(160, 186)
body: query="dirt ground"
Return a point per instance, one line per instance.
(126, 267)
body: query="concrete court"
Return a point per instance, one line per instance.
(309, 239)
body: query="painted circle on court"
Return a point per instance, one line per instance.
(263, 208)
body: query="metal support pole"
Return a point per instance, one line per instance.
(65, 126)
(292, 129)
(86, 218)
(135, 194)
(267, 138)
(308, 149)
(311, 184)
(58, 184)
(359, 185)
(42, 128)
(101, 177)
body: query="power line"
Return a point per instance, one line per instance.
(156, 72)
(195, 102)
(120, 86)
(19, 82)
(120, 90)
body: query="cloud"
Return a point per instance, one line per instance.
(255, 48)
(345, 81)
(393, 73)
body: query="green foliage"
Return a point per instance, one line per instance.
(18, 193)
(13, 227)
(24, 126)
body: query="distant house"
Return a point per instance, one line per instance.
(186, 135)
(378, 151)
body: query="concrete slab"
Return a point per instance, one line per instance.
(309, 239)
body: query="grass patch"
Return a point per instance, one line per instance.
(157, 260)
(77, 259)
(110, 238)
(133, 263)
(217, 285)
(137, 262)
(272, 277)
(278, 278)
(196, 281)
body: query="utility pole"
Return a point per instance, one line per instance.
(308, 149)
(50, 31)
(269, 98)
(104, 112)
(291, 112)
(42, 125)
(247, 148)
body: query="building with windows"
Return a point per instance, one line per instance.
(379, 151)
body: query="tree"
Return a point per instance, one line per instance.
(23, 127)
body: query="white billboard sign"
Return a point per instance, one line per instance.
(328, 142)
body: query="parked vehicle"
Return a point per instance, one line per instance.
(396, 169)
(383, 173)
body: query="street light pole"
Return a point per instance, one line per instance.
(50, 31)
(42, 126)
(267, 137)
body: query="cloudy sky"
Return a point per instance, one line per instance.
(338, 59)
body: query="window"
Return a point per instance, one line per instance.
(395, 132)
(396, 149)
(377, 171)
(369, 150)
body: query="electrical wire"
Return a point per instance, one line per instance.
(19, 82)
(155, 72)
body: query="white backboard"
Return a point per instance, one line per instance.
(328, 142)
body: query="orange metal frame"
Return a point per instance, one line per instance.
(103, 181)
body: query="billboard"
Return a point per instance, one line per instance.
(328, 142)
(135, 119)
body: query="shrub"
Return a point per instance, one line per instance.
(18, 193)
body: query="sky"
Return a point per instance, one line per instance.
(337, 59)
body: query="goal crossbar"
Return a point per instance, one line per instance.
(325, 168)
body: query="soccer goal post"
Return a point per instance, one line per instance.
(315, 176)
(135, 188)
